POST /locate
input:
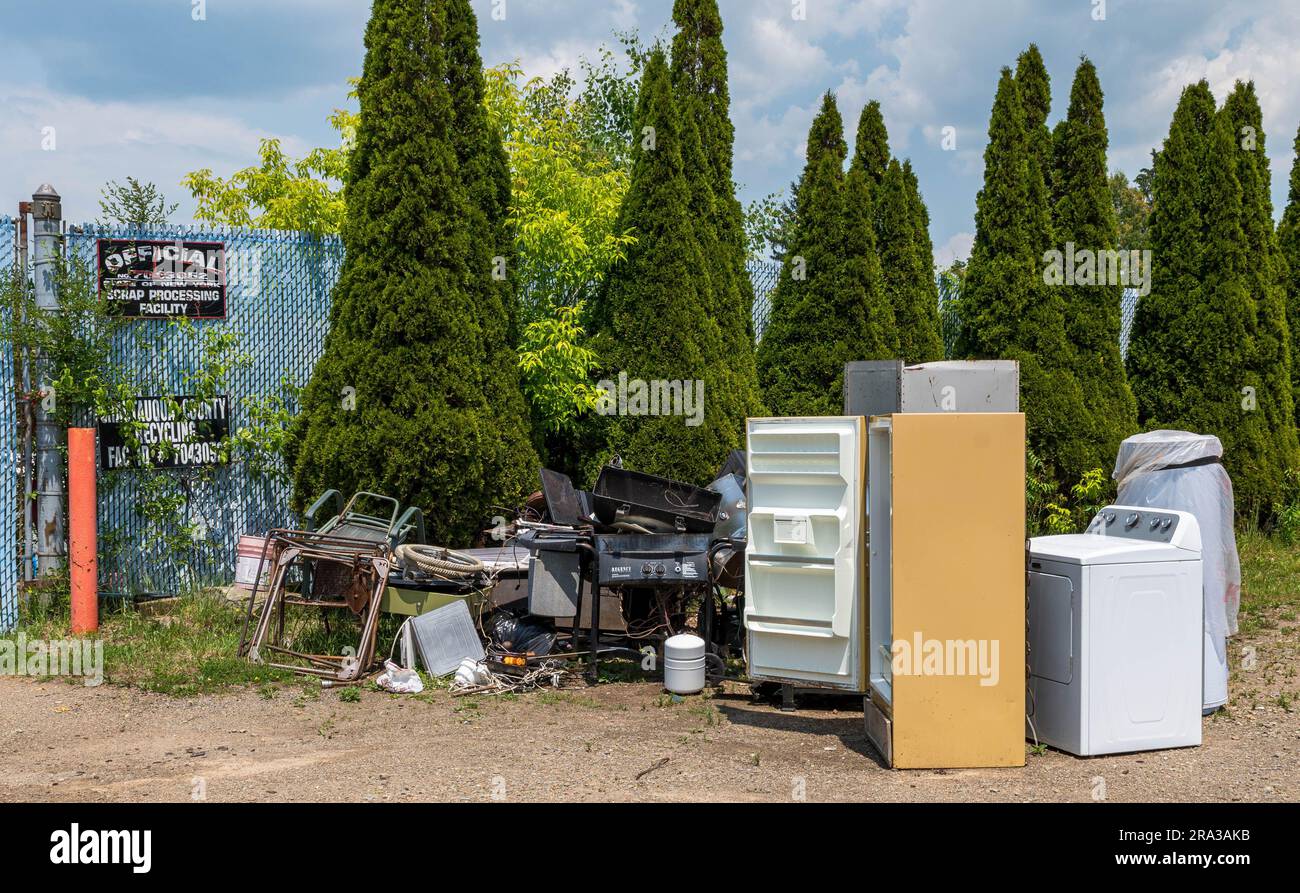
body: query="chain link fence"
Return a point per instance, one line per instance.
(277, 300)
(764, 274)
(9, 464)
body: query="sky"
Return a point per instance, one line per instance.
(96, 90)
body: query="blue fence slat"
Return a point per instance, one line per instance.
(9, 466)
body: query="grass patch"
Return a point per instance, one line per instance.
(1270, 582)
(564, 697)
(190, 645)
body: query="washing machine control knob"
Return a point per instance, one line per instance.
(1132, 520)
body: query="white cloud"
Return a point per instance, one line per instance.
(957, 247)
(94, 142)
(778, 58)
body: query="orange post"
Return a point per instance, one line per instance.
(83, 547)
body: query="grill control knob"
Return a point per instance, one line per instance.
(659, 570)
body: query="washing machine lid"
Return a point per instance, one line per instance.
(1091, 548)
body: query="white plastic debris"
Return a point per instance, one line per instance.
(399, 680)
(471, 673)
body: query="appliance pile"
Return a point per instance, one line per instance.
(577, 575)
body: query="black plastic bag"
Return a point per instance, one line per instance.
(513, 633)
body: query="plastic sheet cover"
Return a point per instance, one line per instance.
(1202, 487)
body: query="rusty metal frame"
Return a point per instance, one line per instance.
(364, 567)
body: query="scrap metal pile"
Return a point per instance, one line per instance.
(576, 575)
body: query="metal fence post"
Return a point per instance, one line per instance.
(51, 547)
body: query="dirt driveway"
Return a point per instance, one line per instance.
(68, 743)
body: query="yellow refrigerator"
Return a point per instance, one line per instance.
(946, 616)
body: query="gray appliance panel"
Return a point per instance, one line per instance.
(554, 584)
(881, 387)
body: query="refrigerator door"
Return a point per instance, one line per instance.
(957, 566)
(804, 563)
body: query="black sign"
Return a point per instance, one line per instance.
(177, 432)
(155, 280)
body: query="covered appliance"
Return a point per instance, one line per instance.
(1115, 634)
(947, 589)
(804, 615)
(1184, 472)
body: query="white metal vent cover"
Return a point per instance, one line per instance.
(445, 637)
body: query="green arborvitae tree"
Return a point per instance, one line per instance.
(1288, 236)
(1084, 220)
(926, 339)
(1006, 308)
(871, 150)
(915, 315)
(902, 240)
(1190, 356)
(653, 318)
(869, 315)
(1270, 361)
(864, 274)
(1035, 89)
(699, 71)
(399, 401)
(485, 171)
(807, 340)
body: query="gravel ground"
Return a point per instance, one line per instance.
(616, 742)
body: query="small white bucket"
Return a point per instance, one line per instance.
(684, 665)
(248, 554)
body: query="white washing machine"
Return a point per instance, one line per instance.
(1116, 633)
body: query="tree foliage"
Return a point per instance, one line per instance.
(699, 76)
(653, 319)
(1083, 217)
(566, 193)
(281, 192)
(134, 204)
(1192, 358)
(412, 395)
(1288, 237)
(1132, 207)
(814, 321)
(871, 147)
(1269, 359)
(1006, 308)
